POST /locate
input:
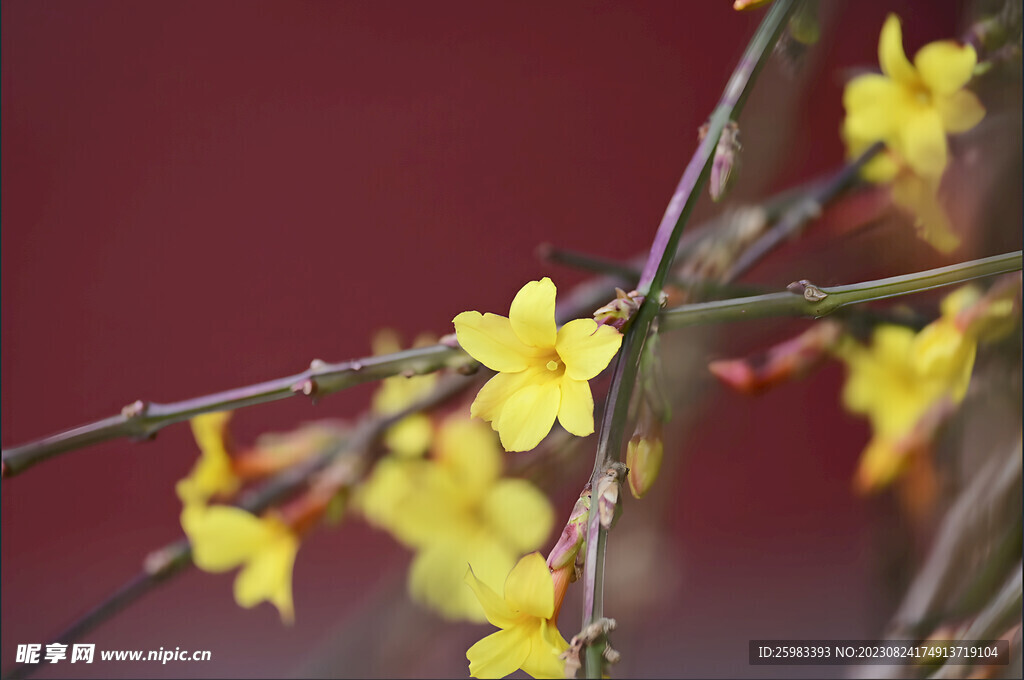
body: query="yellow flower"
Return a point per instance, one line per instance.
(225, 537)
(455, 509)
(213, 474)
(409, 437)
(542, 370)
(529, 638)
(911, 107)
(900, 378)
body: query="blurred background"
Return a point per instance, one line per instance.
(199, 196)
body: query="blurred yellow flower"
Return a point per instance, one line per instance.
(899, 378)
(225, 537)
(529, 638)
(911, 108)
(455, 509)
(409, 437)
(542, 370)
(212, 474)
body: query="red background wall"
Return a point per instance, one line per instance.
(203, 195)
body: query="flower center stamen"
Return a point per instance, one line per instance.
(552, 365)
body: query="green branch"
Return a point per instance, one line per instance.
(142, 420)
(611, 432)
(165, 563)
(816, 302)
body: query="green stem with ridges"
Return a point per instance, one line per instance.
(611, 433)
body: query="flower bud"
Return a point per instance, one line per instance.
(726, 161)
(643, 458)
(608, 494)
(574, 535)
(785, 361)
(619, 311)
(743, 5)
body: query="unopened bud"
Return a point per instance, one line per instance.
(574, 535)
(803, 25)
(619, 311)
(726, 160)
(608, 494)
(643, 458)
(788, 360)
(743, 5)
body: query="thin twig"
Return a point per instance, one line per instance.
(630, 275)
(805, 209)
(612, 429)
(142, 420)
(816, 302)
(165, 563)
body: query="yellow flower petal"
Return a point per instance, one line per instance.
(532, 314)
(586, 348)
(499, 654)
(492, 396)
(546, 644)
(891, 56)
(519, 514)
(874, 105)
(917, 196)
(222, 537)
(469, 451)
(208, 429)
(923, 143)
(436, 575)
(213, 474)
(942, 352)
(959, 300)
(960, 111)
(576, 410)
(882, 168)
(529, 588)
(489, 339)
(527, 416)
(496, 609)
(945, 66)
(410, 437)
(268, 575)
(879, 465)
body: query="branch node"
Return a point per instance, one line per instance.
(467, 369)
(158, 561)
(307, 387)
(135, 409)
(450, 340)
(810, 291)
(317, 365)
